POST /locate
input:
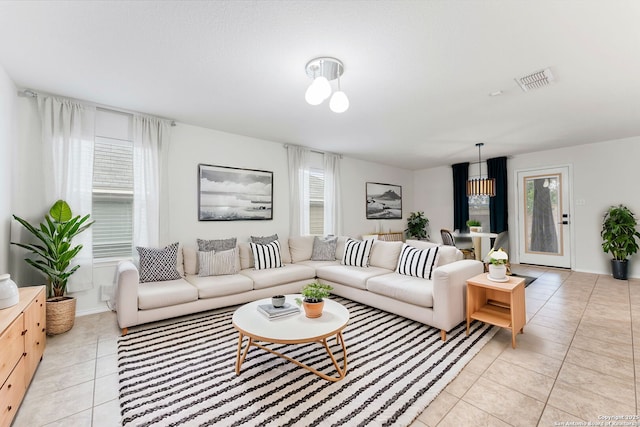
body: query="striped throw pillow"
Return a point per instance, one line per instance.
(356, 253)
(417, 262)
(217, 263)
(266, 256)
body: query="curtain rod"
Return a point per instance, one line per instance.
(29, 93)
(313, 151)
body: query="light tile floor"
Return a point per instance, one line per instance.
(576, 362)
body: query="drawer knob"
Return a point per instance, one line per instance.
(8, 386)
(9, 407)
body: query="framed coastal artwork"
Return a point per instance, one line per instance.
(234, 194)
(384, 201)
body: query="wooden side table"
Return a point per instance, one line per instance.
(497, 303)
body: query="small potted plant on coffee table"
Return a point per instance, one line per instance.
(313, 301)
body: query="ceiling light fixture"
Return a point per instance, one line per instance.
(322, 71)
(481, 186)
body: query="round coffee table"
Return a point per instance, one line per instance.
(294, 329)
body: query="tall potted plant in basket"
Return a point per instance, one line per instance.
(619, 234)
(54, 254)
(417, 225)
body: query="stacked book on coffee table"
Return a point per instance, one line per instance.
(272, 312)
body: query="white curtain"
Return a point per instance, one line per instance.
(332, 198)
(67, 152)
(150, 143)
(298, 158)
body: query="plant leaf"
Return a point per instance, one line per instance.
(60, 211)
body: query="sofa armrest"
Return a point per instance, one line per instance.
(126, 294)
(449, 291)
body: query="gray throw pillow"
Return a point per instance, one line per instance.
(264, 240)
(217, 263)
(158, 265)
(217, 244)
(324, 248)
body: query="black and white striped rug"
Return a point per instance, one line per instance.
(182, 372)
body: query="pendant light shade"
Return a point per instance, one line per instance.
(322, 71)
(481, 186)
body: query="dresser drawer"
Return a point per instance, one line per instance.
(11, 394)
(12, 345)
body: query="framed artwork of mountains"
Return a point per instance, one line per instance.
(384, 201)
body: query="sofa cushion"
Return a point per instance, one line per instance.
(158, 265)
(356, 253)
(165, 293)
(324, 248)
(301, 248)
(266, 256)
(317, 264)
(217, 263)
(448, 254)
(355, 277)
(264, 240)
(385, 254)
(216, 286)
(412, 290)
(417, 262)
(246, 255)
(277, 276)
(216, 244)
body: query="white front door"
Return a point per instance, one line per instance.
(544, 219)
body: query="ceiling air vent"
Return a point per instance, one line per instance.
(535, 80)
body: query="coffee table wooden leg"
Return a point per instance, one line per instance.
(239, 358)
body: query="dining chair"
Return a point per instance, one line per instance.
(449, 240)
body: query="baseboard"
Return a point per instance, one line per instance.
(95, 310)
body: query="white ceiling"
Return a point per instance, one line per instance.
(417, 73)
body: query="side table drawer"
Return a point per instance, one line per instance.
(12, 345)
(11, 394)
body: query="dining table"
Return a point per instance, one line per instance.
(476, 237)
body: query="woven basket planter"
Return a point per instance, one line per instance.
(61, 313)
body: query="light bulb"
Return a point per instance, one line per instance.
(323, 87)
(339, 102)
(312, 97)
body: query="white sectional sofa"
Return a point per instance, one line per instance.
(439, 302)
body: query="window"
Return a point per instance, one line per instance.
(316, 201)
(112, 201)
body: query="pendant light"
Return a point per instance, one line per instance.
(322, 71)
(481, 186)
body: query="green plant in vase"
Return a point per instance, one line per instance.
(619, 234)
(417, 225)
(54, 251)
(313, 302)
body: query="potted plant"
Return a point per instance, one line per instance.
(619, 235)
(474, 225)
(313, 301)
(498, 265)
(417, 226)
(53, 256)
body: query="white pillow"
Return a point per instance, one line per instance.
(356, 253)
(217, 263)
(418, 262)
(266, 256)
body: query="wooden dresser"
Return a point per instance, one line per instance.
(22, 341)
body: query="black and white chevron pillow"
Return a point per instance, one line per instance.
(158, 265)
(356, 253)
(417, 262)
(266, 256)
